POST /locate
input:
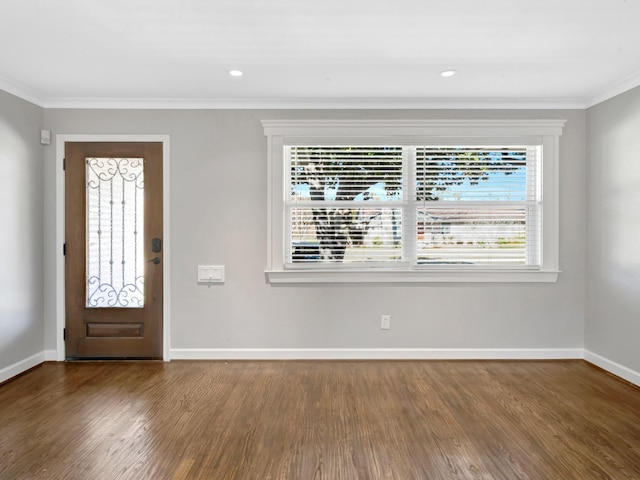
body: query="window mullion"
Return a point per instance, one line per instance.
(409, 214)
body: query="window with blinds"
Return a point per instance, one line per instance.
(412, 201)
(344, 204)
(478, 205)
(426, 206)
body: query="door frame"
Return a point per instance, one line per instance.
(61, 140)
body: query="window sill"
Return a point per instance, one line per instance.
(292, 277)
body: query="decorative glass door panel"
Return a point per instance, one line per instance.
(115, 232)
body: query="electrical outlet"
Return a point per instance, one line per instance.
(385, 322)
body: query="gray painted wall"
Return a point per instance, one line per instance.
(218, 216)
(612, 322)
(21, 224)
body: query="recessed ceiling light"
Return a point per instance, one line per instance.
(235, 73)
(447, 73)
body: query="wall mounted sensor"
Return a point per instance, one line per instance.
(45, 137)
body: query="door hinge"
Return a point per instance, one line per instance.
(64, 249)
(64, 334)
(64, 164)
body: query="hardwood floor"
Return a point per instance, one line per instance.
(319, 420)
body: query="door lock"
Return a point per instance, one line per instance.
(156, 245)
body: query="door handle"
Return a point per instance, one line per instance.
(155, 260)
(156, 245)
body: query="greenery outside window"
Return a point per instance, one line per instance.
(449, 201)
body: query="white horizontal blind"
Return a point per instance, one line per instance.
(478, 205)
(344, 204)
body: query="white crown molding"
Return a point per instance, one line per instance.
(20, 91)
(317, 103)
(383, 103)
(334, 103)
(610, 91)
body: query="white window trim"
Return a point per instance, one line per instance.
(284, 132)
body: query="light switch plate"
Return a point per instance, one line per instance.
(210, 273)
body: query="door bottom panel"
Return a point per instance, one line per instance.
(117, 330)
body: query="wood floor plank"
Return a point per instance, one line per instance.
(319, 420)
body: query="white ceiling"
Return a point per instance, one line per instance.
(322, 53)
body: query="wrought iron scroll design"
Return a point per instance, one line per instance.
(115, 266)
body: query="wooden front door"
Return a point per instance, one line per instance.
(113, 250)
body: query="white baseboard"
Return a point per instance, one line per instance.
(50, 356)
(375, 354)
(613, 367)
(21, 366)
(363, 354)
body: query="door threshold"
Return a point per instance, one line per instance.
(110, 359)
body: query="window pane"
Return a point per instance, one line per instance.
(476, 236)
(329, 190)
(496, 190)
(345, 235)
(345, 173)
(474, 174)
(115, 263)
(497, 219)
